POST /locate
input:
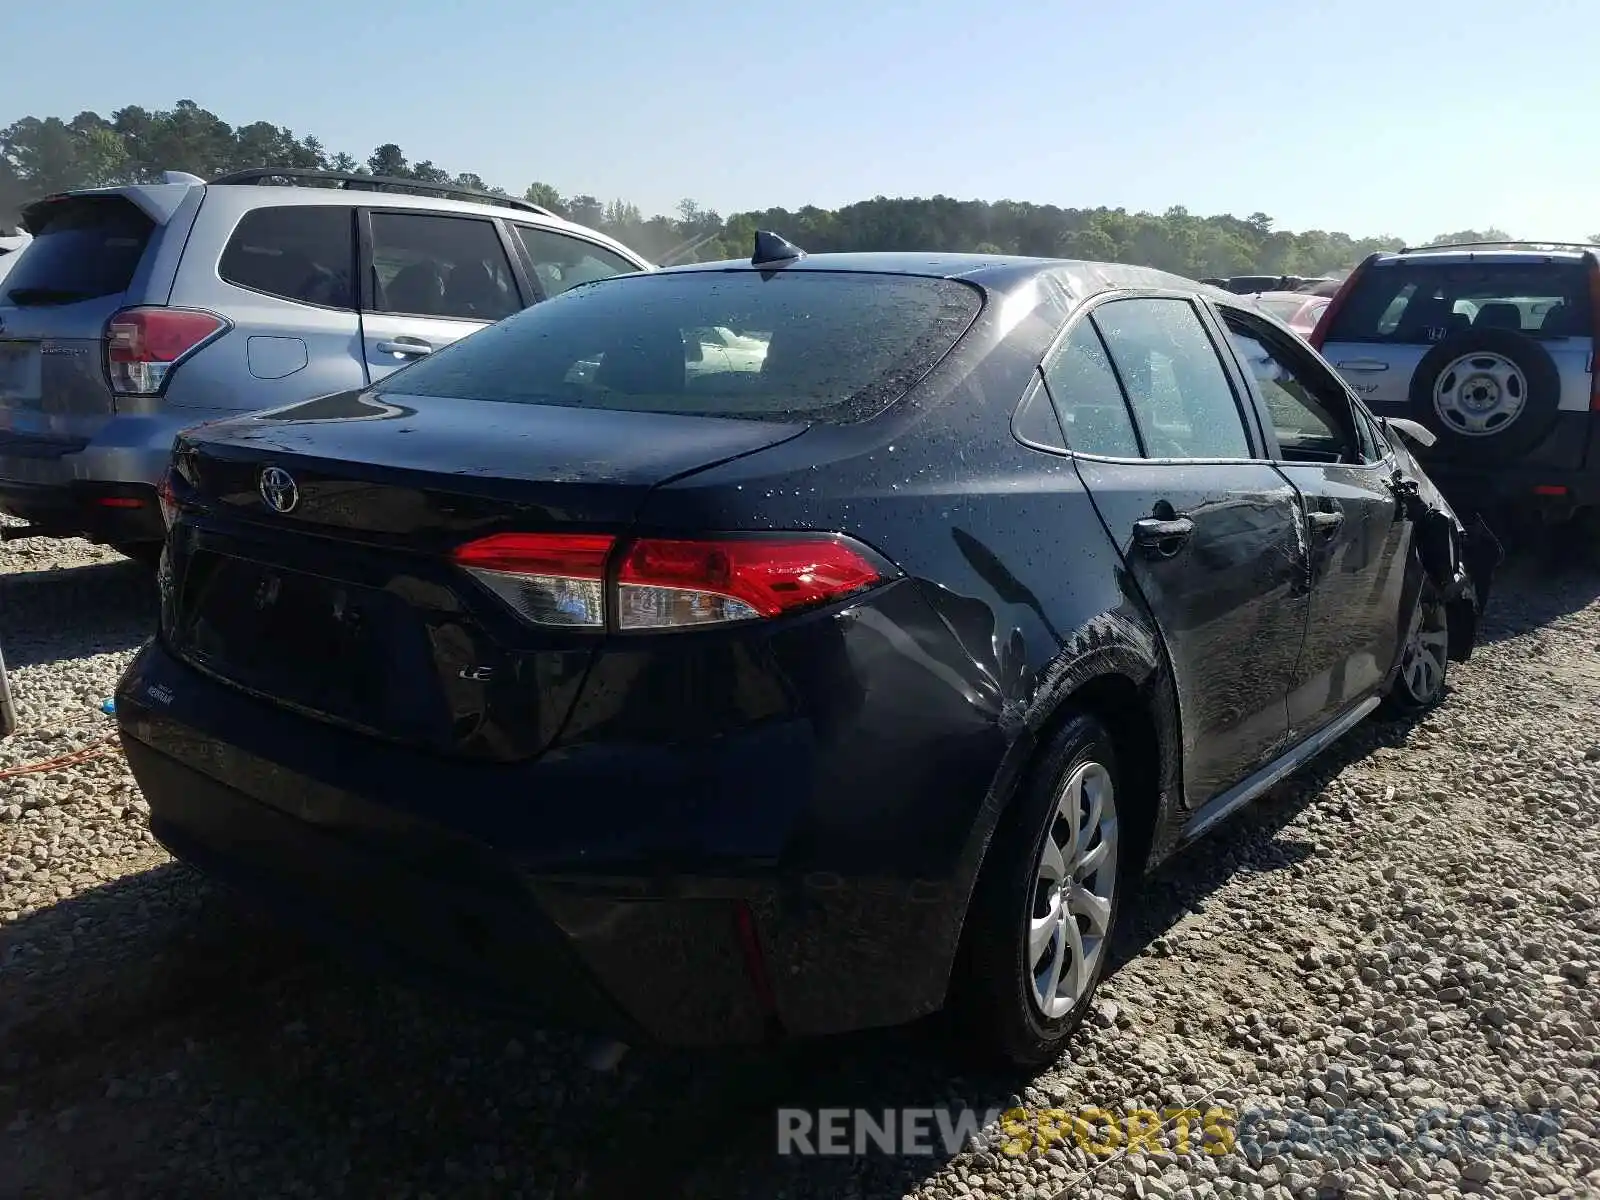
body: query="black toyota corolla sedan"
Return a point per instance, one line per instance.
(787, 646)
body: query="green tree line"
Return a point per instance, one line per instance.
(41, 155)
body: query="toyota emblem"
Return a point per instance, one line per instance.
(279, 492)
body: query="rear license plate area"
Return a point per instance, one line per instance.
(20, 373)
(336, 648)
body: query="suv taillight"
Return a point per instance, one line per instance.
(143, 345)
(1319, 335)
(667, 584)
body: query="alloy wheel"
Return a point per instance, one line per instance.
(1074, 883)
(1422, 663)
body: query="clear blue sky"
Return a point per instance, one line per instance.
(1408, 117)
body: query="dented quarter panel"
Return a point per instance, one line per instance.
(1031, 600)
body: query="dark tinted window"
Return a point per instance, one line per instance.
(83, 247)
(440, 267)
(1175, 382)
(825, 344)
(1093, 411)
(1416, 303)
(563, 262)
(303, 252)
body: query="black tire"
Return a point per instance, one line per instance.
(1521, 432)
(1419, 685)
(994, 1003)
(146, 554)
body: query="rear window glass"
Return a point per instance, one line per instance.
(832, 345)
(84, 248)
(299, 252)
(1416, 303)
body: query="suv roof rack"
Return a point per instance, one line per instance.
(353, 181)
(1502, 242)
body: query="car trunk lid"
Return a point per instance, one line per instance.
(310, 557)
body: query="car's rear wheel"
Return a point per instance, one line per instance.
(1424, 655)
(1038, 933)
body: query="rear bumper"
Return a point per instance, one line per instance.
(102, 512)
(552, 887)
(59, 481)
(1531, 490)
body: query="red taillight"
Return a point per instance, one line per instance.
(549, 578)
(1549, 489)
(168, 497)
(663, 584)
(1319, 335)
(144, 344)
(674, 584)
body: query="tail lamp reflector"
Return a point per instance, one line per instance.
(666, 584)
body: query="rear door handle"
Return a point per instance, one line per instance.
(1326, 523)
(405, 347)
(1162, 538)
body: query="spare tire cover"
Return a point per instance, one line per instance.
(1489, 394)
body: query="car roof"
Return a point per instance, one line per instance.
(160, 200)
(994, 272)
(1566, 253)
(1297, 297)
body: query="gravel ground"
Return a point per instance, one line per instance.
(1407, 928)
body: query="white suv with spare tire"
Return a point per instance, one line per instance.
(1490, 345)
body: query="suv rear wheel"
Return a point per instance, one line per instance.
(1489, 394)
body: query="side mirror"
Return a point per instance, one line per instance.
(1418, 433)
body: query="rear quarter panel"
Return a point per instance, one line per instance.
(278, 352)
(1022, 597)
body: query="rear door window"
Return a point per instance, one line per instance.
(1177, 386)
(1088, 397)
(304, 253)
(827, 345)
(451, 267)
(1420, 303)
(561, 262)
(83, 247)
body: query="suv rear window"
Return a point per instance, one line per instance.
(83, 247)
(821, 344)
(1416, 303)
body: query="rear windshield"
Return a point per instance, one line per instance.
(85, 247)
(837, 346)
(1416, 303)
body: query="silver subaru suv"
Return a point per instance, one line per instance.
(142, 310)
(1491, 345)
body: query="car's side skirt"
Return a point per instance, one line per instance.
(1286, 764)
